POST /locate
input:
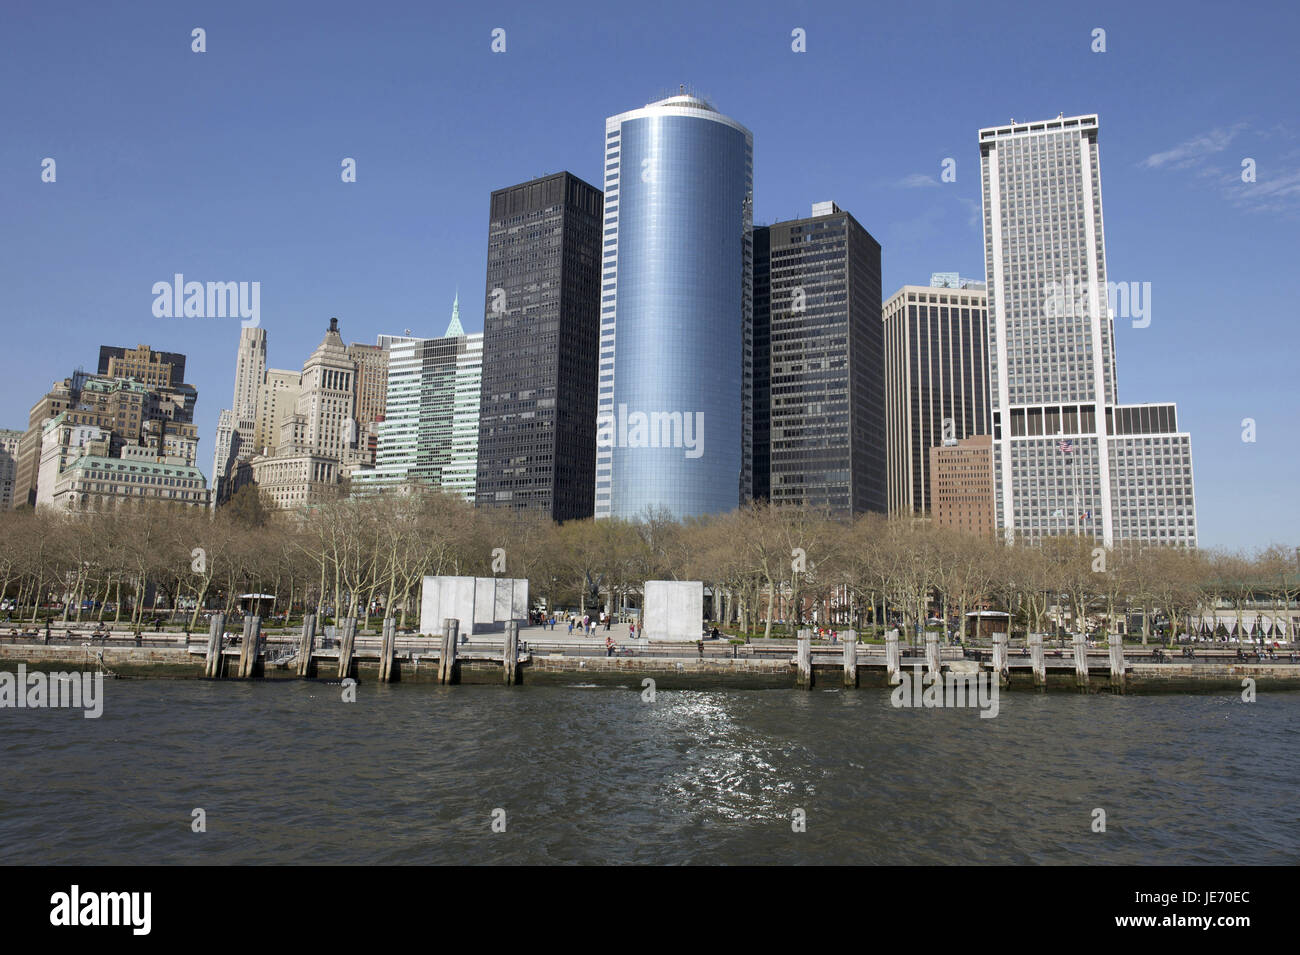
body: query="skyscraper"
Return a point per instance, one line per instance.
(461, 473)
(430, 431)
(537, 421)
(675, 415)
(327, 401)
(371, 393)
(276, 400)
(317, 443)
(936, 373)
(239, 436)
(9, 441)
(761, 443)
(818, 364)
(1067, 457)
(250, 369)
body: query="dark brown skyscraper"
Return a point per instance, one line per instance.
(541, 334)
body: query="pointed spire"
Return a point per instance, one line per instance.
(455, 329)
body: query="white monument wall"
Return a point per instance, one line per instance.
(673, 610)
(481, 604)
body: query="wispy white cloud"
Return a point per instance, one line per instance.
(1276, 189)
(1194, 151)
(917, 180)
(1278, 194)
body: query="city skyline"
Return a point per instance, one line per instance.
(1163, 166)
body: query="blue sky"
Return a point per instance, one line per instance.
(225, 166)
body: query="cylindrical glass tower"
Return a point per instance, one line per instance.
(675, 389)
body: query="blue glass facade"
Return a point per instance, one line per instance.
(678, 302)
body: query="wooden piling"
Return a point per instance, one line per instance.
(1036, 659)
(251, 647)
(212, 667)
(447, 658)
(510, 654)
(893, 662)
(933, 663)
(306, 666)
(1080, 661)
(850, 658)
(803, 661)
(1116, 661)
(387, 672)
(1000, 666)
(347, 642)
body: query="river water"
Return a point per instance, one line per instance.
(290, 773)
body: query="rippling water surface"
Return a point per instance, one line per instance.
(289, 773)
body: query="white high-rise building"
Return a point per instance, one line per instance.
(462, 471)
(250, 370)
(429, 434)
(237, 437)
(1068, 458)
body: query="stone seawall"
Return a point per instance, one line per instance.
(668, 673)
(154, 662)
(1181, 677)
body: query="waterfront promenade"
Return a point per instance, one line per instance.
(544, 655)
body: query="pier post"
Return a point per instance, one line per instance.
(386, 650)
(932, 661)
(803, 661)
(306, 645)
(347, 641)
(212, 665)
(1116, 661)
(510, 654)
(1000, 667)
(892, 661)
(850, 658)
(447, 658)
(1036, 659)
(1080, 661)
(251, 647)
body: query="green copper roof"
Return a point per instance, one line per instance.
(455, 329)
(142, 467)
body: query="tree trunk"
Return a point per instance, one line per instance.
(771, 607)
